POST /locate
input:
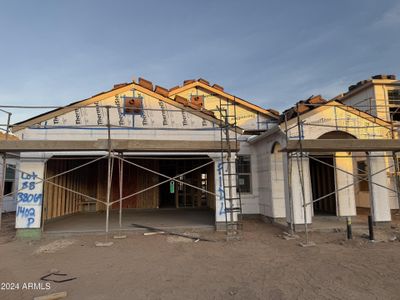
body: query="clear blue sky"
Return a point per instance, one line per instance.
(272, 53)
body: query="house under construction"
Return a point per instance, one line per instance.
(197, 156)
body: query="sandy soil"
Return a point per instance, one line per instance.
(262, 265)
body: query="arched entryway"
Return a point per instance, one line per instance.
(324, 179)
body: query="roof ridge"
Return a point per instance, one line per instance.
(220, 89)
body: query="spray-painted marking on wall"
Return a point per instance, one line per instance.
(77, 117)
(184, 118)
(163, 112)
(29, 201)
(221, 191)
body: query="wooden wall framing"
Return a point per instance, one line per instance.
(92, 181)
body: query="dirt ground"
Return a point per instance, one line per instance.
(262, 265)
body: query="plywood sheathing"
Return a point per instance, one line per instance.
(134, 180)
(59, 201)
(47, 192)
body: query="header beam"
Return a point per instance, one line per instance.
(343, 145)
(116, 145)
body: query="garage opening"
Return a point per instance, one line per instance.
(322, 184)
(163, 203)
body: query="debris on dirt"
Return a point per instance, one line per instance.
(54, 275)
(154, 233)
(104, 244)
(264, 266)
(54, 246)
(307, 244)
(184, 238)
(192, 236)
(233, 291)
(365, 236)
(382, 236)
(54, 296)
(118, 237)
(287, 236)
(178, 239)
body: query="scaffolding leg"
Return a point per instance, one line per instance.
(396, 178)
(109, 171)
(349, 231)
(121, 181)
(3, 181)
(301, 172)
(108, 194)
(301, 176)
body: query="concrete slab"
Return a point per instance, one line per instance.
(168, 219)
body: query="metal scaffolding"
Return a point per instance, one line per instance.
(115, 153)
(299, 147)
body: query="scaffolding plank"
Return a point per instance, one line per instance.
(340, 145)
(116, 145)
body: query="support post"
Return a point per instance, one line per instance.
(344, 177)
(108, 169)
(378, 189)
(28, 214)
